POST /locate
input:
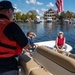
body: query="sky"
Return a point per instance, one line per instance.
(41, 5)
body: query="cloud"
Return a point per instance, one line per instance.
(15, 5)
(40, 13)
(27, 2)
(34, 2)
(16, 9)
(50, 4)
(37, 11)
(39, 3)
(43, 9)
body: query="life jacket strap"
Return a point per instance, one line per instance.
(7, 46)
(1, 53)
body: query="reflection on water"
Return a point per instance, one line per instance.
(49, 31)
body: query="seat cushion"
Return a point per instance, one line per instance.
(39, 71)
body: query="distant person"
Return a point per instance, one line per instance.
(12, 40)
(60, 42)
(31, 36)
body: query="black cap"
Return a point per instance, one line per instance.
(6, 5)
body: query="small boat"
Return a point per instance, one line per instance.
(51, 44)
(74, 21)
(49, 19)
(37, 21)
(69, 21)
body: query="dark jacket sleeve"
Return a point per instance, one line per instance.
(14, 32)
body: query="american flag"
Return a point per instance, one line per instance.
(59, 5)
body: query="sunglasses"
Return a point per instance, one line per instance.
(12, 9)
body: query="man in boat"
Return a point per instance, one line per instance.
(30, 36)
(12, 40)
(60, 42)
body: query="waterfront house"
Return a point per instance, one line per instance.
(50, 13)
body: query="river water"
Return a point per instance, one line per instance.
(49, 31)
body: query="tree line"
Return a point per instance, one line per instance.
(65, 15)
(19, 16)
(61, 16)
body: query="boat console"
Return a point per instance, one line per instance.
(47, 62)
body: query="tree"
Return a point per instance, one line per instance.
(27, 16)
(57, 15)
(73, 16)
(32, 16)
(63, 14)
(23, 17)
(18, 16)
(68, 14)
(61, 18)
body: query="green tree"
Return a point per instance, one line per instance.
(63, 14)
(68, 14)
(73, 16)
(57, 15)
(27, 16)
(61, 18)
(23, 17)
(18, 16)
(32, 16)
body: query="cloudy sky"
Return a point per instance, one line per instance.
(40, 5)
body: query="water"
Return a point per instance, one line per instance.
(49, 31)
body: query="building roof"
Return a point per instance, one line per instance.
(33, 12)
(50, 10)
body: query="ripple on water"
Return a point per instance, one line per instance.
(49, 31)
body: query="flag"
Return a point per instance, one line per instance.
(59, 5)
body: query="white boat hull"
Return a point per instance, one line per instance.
(51, 44)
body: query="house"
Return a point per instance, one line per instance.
(50, 13)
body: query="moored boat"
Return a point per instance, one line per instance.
(49, 19)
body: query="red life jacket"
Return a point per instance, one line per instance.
(8, 48)
(60, 41)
